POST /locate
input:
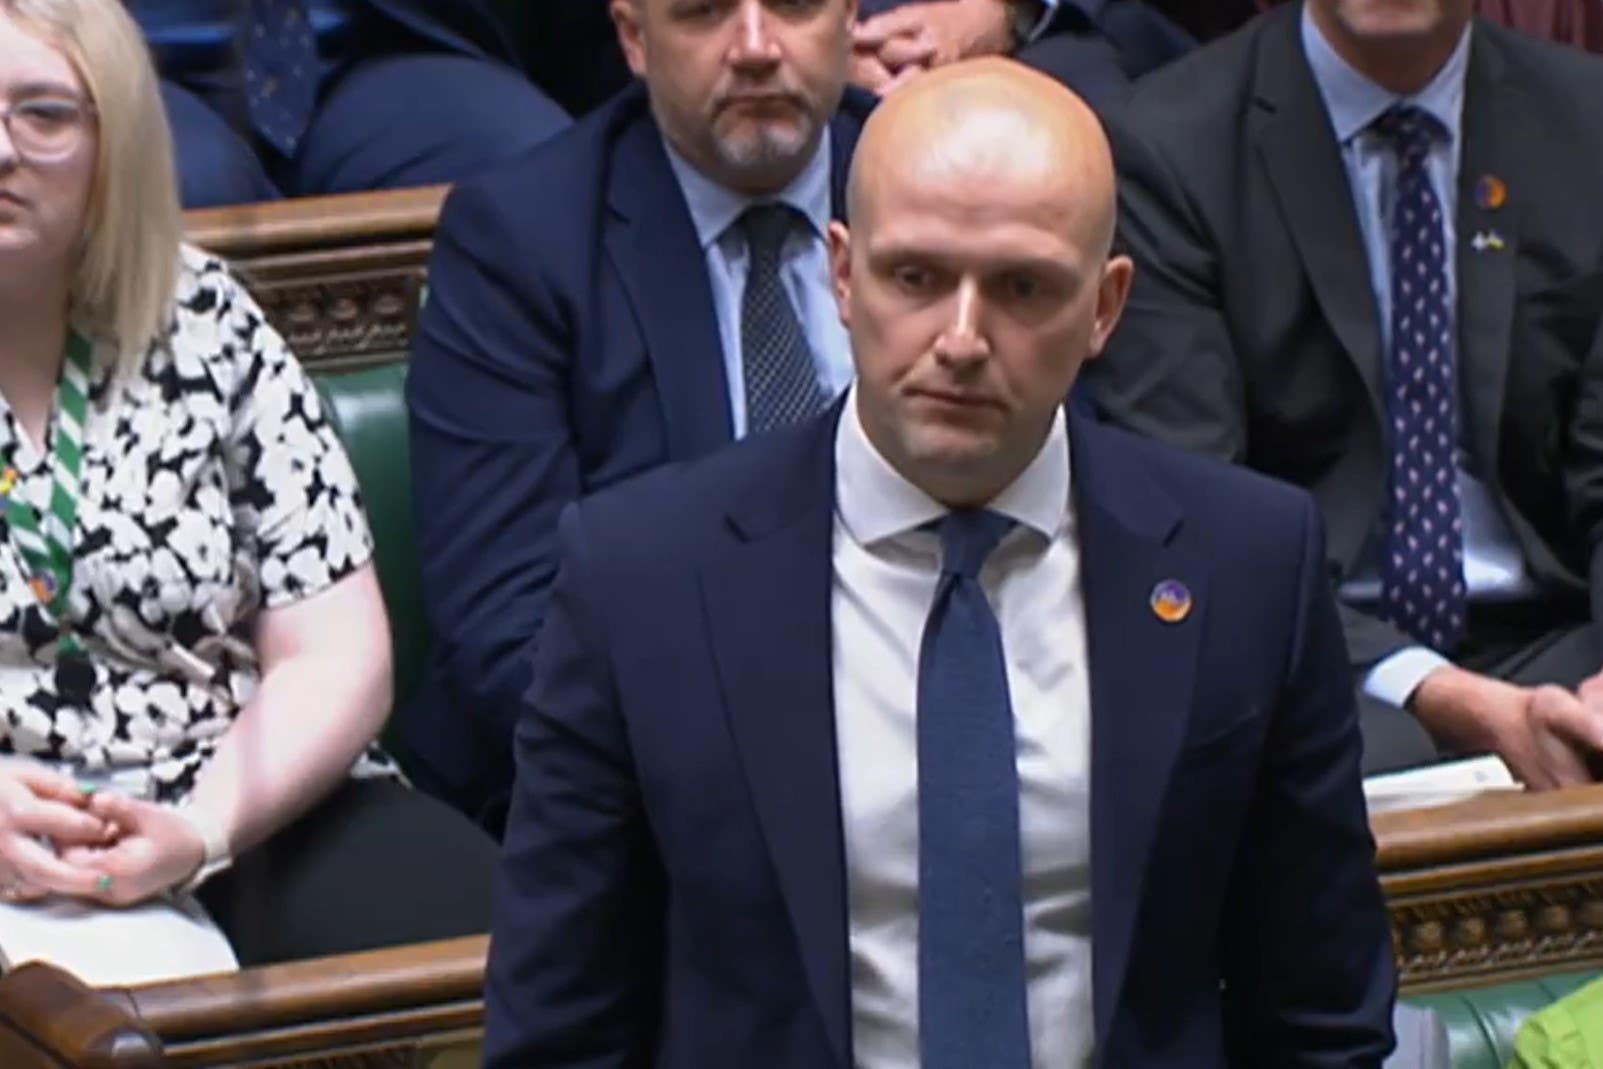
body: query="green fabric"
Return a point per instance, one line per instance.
(1481, 1021)
(368, 410)
(45, 541)
(1566, 1035)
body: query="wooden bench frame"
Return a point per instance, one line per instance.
(340, 277)
(1493, 889)
(1498, 888)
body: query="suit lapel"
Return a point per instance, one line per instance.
(1496, 142)
(844, 128)
(1304, 165)
(663, 268)
(767, 603)
(1141, 678)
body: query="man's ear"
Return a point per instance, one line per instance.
(840, 269)
(626, 20)
(1112, 293)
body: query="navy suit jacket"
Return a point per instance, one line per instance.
(673, 886)
(569, 340)
(467, 26)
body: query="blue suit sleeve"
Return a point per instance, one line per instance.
(1308, 970)
(493, 461)
(576, 951)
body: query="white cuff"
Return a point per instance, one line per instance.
(1395, 679)
(219, 856)
(1048, 9)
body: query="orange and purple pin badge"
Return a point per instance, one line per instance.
(1170, 601)
(44, 587)
(1490, 192)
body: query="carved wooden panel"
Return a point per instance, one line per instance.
(1495, 889)
(1454, 937)
(340, 277)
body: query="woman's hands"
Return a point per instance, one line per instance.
(56, 838)
(155, 849)
(39, 804)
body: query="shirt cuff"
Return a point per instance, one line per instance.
(1048, 9)
(1395, 679)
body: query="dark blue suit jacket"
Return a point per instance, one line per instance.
(673, 891)
(467, 26)
(569, 340)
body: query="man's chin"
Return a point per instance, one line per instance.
(765, 146)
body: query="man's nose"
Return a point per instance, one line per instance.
(754, 44)
(963, 342)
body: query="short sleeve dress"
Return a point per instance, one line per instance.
(212, 487)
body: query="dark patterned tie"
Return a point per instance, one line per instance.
(1422, 576)
(972, 1007)
(281, 71)
(781, 379)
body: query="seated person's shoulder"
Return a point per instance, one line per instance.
(1242, 506)
(220, 336)
(546, 186)
(215, 318)
(1205, 90)
(1562, 74)
(676, 513)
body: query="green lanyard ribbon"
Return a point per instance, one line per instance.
(45, 541)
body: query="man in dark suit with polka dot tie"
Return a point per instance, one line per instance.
(1370, 254)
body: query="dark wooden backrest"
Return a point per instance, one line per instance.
(340, 277)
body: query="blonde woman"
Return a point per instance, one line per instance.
(194, 658)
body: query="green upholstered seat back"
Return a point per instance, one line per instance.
(368, 409)
(1481, 1021)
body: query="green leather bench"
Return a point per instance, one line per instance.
(1481, 1022)
(368, 410)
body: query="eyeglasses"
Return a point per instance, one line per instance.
(47, 128)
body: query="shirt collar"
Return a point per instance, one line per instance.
(876, 503)
(1354, 101)
(713, 208)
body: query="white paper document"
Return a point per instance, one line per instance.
(1443, 784)
(163, 939)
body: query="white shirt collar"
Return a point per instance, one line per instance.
(713, 208)
(876, 503)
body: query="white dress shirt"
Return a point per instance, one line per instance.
(885, 574)
(803, 270)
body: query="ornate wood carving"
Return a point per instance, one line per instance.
(1495, 889)
(340, 277)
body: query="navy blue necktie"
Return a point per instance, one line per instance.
(1422, 575)
(781, 380)
(972, 1007)
(281, 71)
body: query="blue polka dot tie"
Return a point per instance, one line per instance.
(1422, 575)
(972, 995)
(281, 71)
(781, 380)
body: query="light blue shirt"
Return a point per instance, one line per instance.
(803, 270)
(1493, 565)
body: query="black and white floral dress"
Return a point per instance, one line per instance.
(212, 487)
